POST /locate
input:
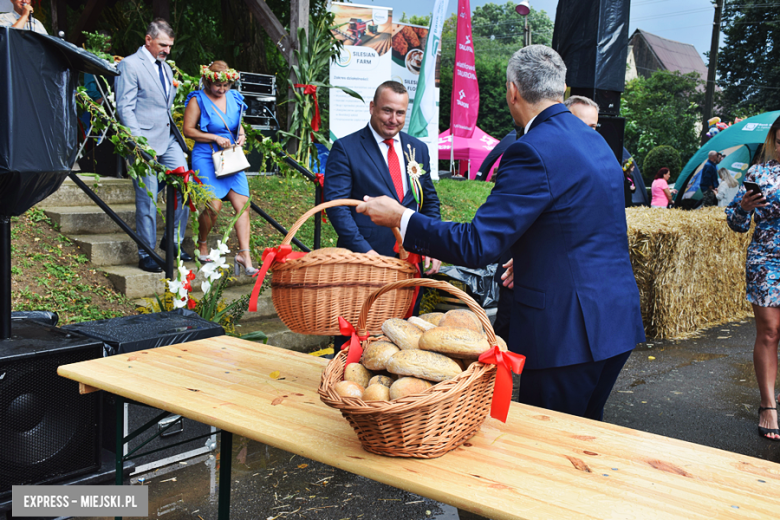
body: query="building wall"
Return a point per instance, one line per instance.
(644, 59)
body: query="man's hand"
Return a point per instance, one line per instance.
(434, 265)
(509, 275)
(750, 202)
(383, 211)
(372, 252)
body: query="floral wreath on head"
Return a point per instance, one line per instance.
(226, 76)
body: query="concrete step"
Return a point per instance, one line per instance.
(91, 220)
(119, 249)
(280, 336)
(136, 283)
(111, 190)
(265, 307)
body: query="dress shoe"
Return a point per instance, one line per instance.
(184, 256)
(149, 265)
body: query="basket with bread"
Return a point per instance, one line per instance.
(310, 291)
(426, 385)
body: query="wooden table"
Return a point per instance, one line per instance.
(539, 465)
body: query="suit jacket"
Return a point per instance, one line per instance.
(356, 167)
(141, 103)
(558, 204)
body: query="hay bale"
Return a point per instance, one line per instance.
(690, 269)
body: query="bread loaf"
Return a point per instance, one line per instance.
(432, 317)
(408, 386)
(421, 323)
(376, 354)
(462, 343)
(348, 389)
(501, 344)
(381, 380)
(430, 366)
(402, 333)
(357, 373)
(376, 392)
(462, 319)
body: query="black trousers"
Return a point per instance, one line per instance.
(580, 390)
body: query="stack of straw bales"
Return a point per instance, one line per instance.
(690, 269)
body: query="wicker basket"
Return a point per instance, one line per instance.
(425, 425)
(310, 293)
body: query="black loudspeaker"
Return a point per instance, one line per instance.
(141, 332)
(607, 100)
(48, 431)
(612, 129)
(592, 39)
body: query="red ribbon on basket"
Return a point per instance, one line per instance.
(507, 362)
(355, 350)
(185, 176)
(279, 254)
(311, 90)
(415, 260)
(320, 179)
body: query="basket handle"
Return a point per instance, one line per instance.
(402, 253)
(435, 284)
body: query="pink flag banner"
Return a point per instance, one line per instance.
(465, 89)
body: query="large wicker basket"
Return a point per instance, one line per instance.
(425, 425)
(310, 293)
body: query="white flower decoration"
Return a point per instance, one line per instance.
(178, 303)
(205, 286)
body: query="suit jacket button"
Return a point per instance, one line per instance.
(167, 124)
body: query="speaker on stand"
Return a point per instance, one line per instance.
(259, 91)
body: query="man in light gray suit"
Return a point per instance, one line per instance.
(144, 96)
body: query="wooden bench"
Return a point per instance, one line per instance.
(539, 465)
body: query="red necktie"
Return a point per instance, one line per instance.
(395, 169)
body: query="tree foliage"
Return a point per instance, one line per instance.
(497, 34)
(663, 156)
(662, 110)
(424, 20)
(747, 61)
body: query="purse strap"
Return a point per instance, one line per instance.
(240, 117)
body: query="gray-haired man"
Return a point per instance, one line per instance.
(144, 96)
(584, 108)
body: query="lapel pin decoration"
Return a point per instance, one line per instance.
(415, 171)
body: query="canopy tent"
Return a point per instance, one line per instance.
(738, 143)
(471, 150)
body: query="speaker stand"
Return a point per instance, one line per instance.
(104, 475)
(5, 277)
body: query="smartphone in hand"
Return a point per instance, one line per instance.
(752, 186)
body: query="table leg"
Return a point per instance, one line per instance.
(119, 475)
(225, 463)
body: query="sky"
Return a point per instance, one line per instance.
(686, 21)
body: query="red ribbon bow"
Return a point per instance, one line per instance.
(319, 178)
(355, 350)
(279, 254)
(507, 362)
(415, 260)
(185, 176)
(311, 90)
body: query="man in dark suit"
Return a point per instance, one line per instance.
(373, 161)
(558, 206)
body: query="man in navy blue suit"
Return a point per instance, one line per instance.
(373, 162)
(558, 205)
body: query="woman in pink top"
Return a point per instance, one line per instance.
(661, 194)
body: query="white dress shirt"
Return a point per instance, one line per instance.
(398, 147)
(154, 65)
(8, 19)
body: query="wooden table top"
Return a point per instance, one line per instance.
(539, 465)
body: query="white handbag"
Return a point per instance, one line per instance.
(230, 160)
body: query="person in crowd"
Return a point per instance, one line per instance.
(22, 17)
(629, 187)
(144, 96)
(213, 120)
(585, 109)
(728, 187)
(660, 191)
(709, 179)
(762, 271)
(575, 314)
(375, 161)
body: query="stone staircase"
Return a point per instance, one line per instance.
(110, 250)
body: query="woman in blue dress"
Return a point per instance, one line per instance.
(212, 119)
(762, 271)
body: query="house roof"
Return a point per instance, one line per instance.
(674, 55)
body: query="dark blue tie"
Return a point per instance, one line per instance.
(162, 78)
